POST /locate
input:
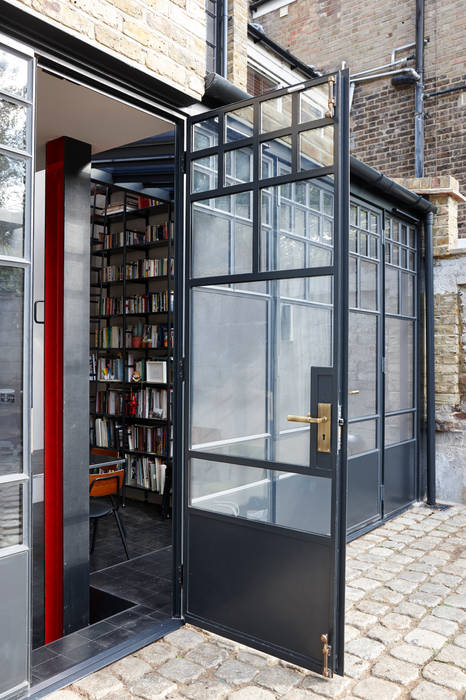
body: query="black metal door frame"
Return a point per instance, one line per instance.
(340, 171)
(384, 208)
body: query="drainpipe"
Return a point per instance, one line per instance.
(419, 93)
(430, 371)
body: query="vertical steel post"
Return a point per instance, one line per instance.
(430, 370)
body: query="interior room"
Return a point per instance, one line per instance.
(121, 241)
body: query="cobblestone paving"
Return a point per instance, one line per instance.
(405, 632)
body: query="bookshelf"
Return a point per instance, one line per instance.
(131, 336)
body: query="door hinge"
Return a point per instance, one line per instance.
(181, 375)
(180, 572)
(383, 365)
(183, 163)
(326, 652)
(382, 494)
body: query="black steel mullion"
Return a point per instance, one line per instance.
(261, 276)
(259, 463)
(315, 173)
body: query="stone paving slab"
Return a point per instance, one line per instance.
(405, 632)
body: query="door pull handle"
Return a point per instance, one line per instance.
(324, 432)
(353, 393)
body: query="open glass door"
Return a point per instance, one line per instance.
(266, 327)
(16, 149)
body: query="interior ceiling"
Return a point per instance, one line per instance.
(67, 109)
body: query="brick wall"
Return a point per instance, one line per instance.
(237, 49)
(165, 38)
(364, 34)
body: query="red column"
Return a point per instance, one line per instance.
(53, 389)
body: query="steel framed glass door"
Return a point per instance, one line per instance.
(265, 368)
(16, 152)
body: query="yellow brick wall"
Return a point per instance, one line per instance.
(237, 49)
(165, 38)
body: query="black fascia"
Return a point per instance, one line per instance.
(295, 63)
(61, 47)
(375, 180)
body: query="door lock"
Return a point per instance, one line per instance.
(324, 432)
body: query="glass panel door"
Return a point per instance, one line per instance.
(265, 450)
(16, 151)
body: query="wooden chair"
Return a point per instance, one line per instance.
(105, 494)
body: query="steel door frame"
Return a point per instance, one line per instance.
(339, 271)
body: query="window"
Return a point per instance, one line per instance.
(259, 83)
(216, 18)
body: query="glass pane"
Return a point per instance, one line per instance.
(320, 289)
(291, 254)
(399, 428)
(11, 370)
(391, 290)
(313, 103)
(239, 124)
(353, 240)
(13, 74)
(11, 515)
(276, 113)
(362, 365)
(238, 165)
(12, 205)
(407, 294)
(361, 437)
(204, 174)
(353, 281)
(13, 125)
(276, 157)
(256, 350)
(288, 500)
(205, 134)
(316, 148)
(399, 360)
(282, 213)
(222, 236)
(368, 282)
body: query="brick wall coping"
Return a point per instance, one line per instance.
(439, 190)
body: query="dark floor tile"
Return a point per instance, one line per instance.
(118, 635)
(144, 624)
(97, 630)
(42, 654)
(65, 644)
(143, 610)
(121, 619)
(85, 651)
(159, 616)
(50, 668)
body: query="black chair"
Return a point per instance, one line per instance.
(105, 494)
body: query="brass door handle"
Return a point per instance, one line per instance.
(324, 433)
(353, 393)
(307, 419)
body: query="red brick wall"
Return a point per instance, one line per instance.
(326, 32)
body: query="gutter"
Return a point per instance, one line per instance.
(257, 34)
(376, 179)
